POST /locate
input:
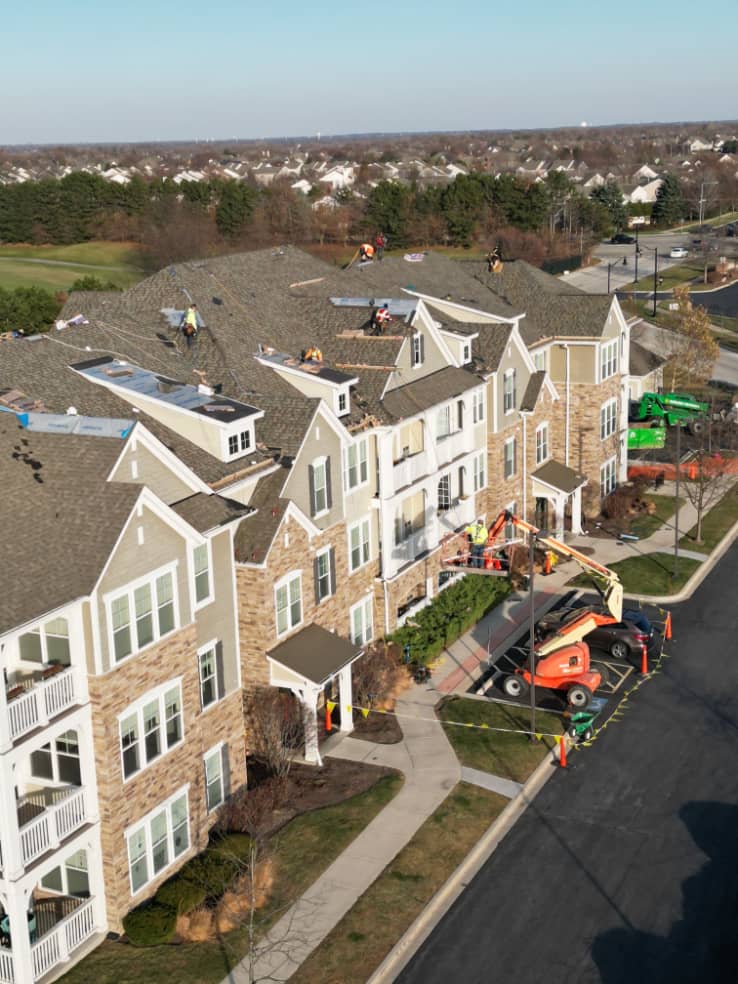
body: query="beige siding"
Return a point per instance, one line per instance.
(512, 359)
(216, 620)
(582, 364)
(434, 359)
(321, 441)
(162, 545)
(151, 471)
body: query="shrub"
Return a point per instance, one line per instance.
(181, 894)
(150, 924)
(449, 615)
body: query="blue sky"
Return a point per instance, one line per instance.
(78, 70)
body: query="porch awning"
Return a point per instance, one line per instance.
(559, 477)
(313, 654)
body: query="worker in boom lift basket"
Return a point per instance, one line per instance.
(477, 534)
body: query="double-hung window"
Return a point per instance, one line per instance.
(418, 352)
(320, 487)
(288, 602)
(539, 360)
(508, 391)
(444, 493)
(608, 359)
(157, 840)
(361, 621)
(608, 418)
(478, 405)
(607, 478)
(325, 575)
(542, 450)
(239, 443)
(509, 456)
(479, 465)
(443, 421)
(201, 567)
(209, 664)
(359, 545)
(142, 614)
(150, 728)
(355, 465)
(216, 769)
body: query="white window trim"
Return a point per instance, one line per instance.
(480, 471)
(510, 442)
(210, 597)
(128, 589)
(212, 645)
(359, 523)
(349, 490)
(606, 416)
(145, 821)
(326, 552)
(281, 583)
(611, 463)
(317, 463)
(605, 349)
(413, 364)
(478, 406)
(361, 605)
(539, 430)
(157, 693)
(216, 749)
(239, 453)
(447, 410)
(508, 374)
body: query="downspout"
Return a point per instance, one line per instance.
(566, 423)
(386, 606)
(523, 417)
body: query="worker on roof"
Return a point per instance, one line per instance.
(312, 354)
(189, 325)
(477, 534)
(382, 317)
(366, 253)
(379, 243)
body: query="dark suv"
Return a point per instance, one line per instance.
(622, 239)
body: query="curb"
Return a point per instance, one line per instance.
(410, 942)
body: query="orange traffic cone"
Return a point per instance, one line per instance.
(328, 719)
(644, 661)
(562, 751)
(547, 563)
(692, 472)
(667, 626)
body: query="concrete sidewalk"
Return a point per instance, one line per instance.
(425, 758)
(431, 770)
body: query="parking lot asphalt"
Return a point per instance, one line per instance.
(623, 869)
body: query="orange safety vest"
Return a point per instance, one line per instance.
(367, 249)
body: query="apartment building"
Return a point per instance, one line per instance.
(270, 515)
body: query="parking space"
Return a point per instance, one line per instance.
(618, 674)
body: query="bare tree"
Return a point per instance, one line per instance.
(276, 728)
(708, 482)
(693, 345)
(376, 674)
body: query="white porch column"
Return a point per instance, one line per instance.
(345, 696)
(576, 511)
(9, 833)
(96, 880)
(559, 504)
(309, 699)
(16, 903)
(87, 768)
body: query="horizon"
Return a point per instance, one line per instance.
(171, 73)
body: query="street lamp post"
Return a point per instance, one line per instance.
(655, 251)
(637, 254)
(532, 638)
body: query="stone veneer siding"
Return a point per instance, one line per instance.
(122, 804)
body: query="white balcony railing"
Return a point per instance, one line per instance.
(55, 947)
(43, 701)
(409, 470)
(453, 445)
(7, 975)
(48, 829)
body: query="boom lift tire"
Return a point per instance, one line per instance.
(515, 686)
(603, 671)
(579, 696)
(696, 427)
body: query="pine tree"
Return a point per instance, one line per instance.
(670, 206)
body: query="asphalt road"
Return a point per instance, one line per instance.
(625, 868)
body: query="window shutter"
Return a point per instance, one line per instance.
(311, 488)
(422, 348)
(226, 766)
(219, 670)
(328, 484)
(316, 580)
(332, 567)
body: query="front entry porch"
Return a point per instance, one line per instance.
(557, 490)
(306, 664)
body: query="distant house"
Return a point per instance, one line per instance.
(643, 194)
(645, 173)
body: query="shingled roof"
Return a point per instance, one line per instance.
(256, 533)
(207, 512)
(54, 545)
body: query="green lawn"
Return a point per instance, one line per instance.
(366, 934)
(119, 263)
(651, 574)
(644, 526)
(681, 273)
(715, 523)
(512, 756)
(302, 851)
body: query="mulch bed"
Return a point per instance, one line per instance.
(309, 787)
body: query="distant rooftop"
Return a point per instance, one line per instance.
(72, 423)
(185, 396)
